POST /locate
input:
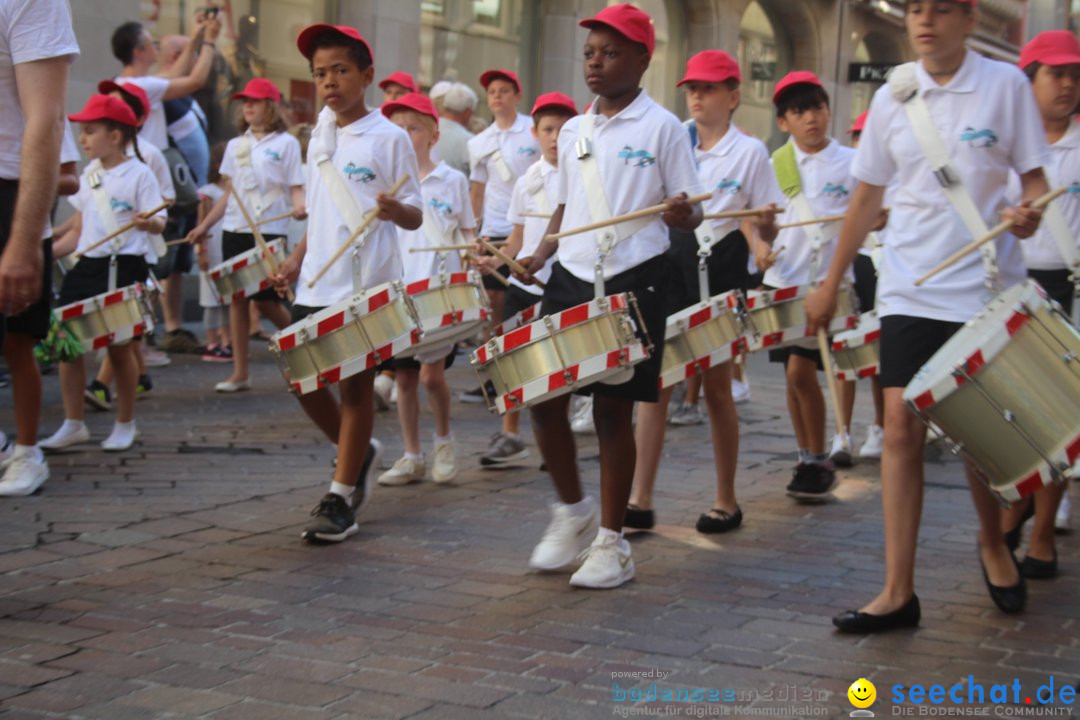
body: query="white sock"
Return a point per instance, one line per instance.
(445, 439)
(512, 436)
(123, 433)
(582, 507)
(31, 451)
(342, 489)
(71, 426)
(604, 533)
(418, 457)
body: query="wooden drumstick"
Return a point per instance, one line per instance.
(259, 239)
(510, 262)
(1000, 229)
(815, 221)
(497, 276)
(544, 216)
(636, 215)
(771, 257)
(275, 218)
(732, 214)
(448, 248)
(124, 228)
(834, 391)
(369, 218)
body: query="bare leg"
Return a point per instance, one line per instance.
(498, 301)
(323, 409)
(724, 427)
(105, 372)
(615, 431)
(649, 439)
(72, 384)
(433, 376)
(693, 390)
(238, 322)
(996, 556)
(879, 401)
(275, 312)
(807, 402)
(408, 408)
(127, 377)
(25, 386)
(1041, 546)
(511, 423)
(357, 419)
(171, 300)
(551, 425)
(847, 402)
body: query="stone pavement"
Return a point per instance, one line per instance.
(170, 582)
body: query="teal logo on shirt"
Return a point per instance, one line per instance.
(441, 207)
(641, 158)
(359, 174)
(272, 154)
(979, 138)
(1074, 188)
(119, 205)
(731, 187)
(527, 150)
(835, 191)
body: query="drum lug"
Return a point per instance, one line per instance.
(552, 333)
(641, 322)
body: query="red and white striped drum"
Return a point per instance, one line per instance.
(857, 353)
(589, 343)
(243, 275)
(518, 319)
(703, 336)
(111, 318)
(450, 308)
(347, 338)
(1006, 389)
(779, 316)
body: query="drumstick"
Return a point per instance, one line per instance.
(369, 218)
(815, 221)
(497, 276)
(275, 218)
(537, 215)
(999, 229)
(184, 241)
(834, 391)
(636, 215)
(270, 257)
(447, 248)
(771, 257)
(730, 214)
(510, 262)
(124, 228)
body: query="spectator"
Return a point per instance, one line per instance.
(185, 122)
(457, 105)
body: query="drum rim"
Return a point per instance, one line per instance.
(393, 288)
(129, 292)
(231, 262)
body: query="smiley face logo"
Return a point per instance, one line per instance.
(862, 693)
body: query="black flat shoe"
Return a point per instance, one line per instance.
(853, 621)
(1036, 569)
(1011, 599)
(638, 519)
(1012, 537)
(719, 521)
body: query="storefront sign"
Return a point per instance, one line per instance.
(869, 72)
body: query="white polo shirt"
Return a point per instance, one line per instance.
(737, 172)
(989, 122)
(644, 157)
(132, 189)
(154, 130)
(519, 151)
(158, 165)
(372, 153)
(1041, 250)
(446, 208)
(827, 184)
(274, 170)
(541, 178)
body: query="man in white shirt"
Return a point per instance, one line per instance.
(456, 105)
(37, 47)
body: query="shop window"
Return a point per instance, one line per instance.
(764, 57)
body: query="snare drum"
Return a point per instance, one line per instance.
(516, 320)
(347, 338)
(703, 336)
(111, 318)
(450, 308)
(1006, 389)
(779, 316)
(856, 353)
(589, 343)
(243, 275)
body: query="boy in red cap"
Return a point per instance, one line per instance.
(397, 84)
(735, 166)
(984, 114)
(534, 194)
(637, 155)
(369, 154)
(498, 156)
(446, 213)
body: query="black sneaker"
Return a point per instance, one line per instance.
(476, 395)
(639, 519)
(362, 494)
(97, 396)
(811, 482)
(144, 386)
(181, 341)
(334, 521)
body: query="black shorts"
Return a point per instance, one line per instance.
(755, 280)
(907, 343)
(90, 277)
(517, 300)
(647, 282)
(865, 282)
(1057, 285)
(232, 244)
(411, 363)
(299, 312)
(491, 283)
(34, 321)
(781, 355)
(726, 268)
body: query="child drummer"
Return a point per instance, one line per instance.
(642, 156)
(966, 94)
(348, 136)
(126, 186)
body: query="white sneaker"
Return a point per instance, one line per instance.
(384, 385)
(1063, 518)
(875, 440)
(121, 438)
(154, 358)
(740, 391)
(607, 563)
(687, 415)
(566, 536)
(24, 475)
(393, 395)
(582, 421)
(7, 449)
(71, 432)
(404, 471)
(840, 454)
(443, 462)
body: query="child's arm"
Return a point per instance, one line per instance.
(299, 211)
(476, 199)
(289, 271)
(404, 216)
(154, 224)
(68, 182)
(198, 233)
(681, 214)
(68, 238)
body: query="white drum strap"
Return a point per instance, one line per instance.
(497, 159)
(430, 229)
(816, 233)
(256, 201)
(904, 86)
(706, 238)
(1059, 230)
(538, 193)
(350, 212)
(105, 211)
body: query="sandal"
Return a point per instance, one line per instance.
(718, 520)
(638, 519)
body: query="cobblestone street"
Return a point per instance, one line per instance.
(171, 582)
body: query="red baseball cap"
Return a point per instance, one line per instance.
(413, 101)
(401, 78)
(799, 77)
(259, 89)
(859, 124)
(632, 23)
(554, 99)
(307, 37)
(105, 107)
(130, 89)
(496, 74)
(1053, 47)
(711, 66)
